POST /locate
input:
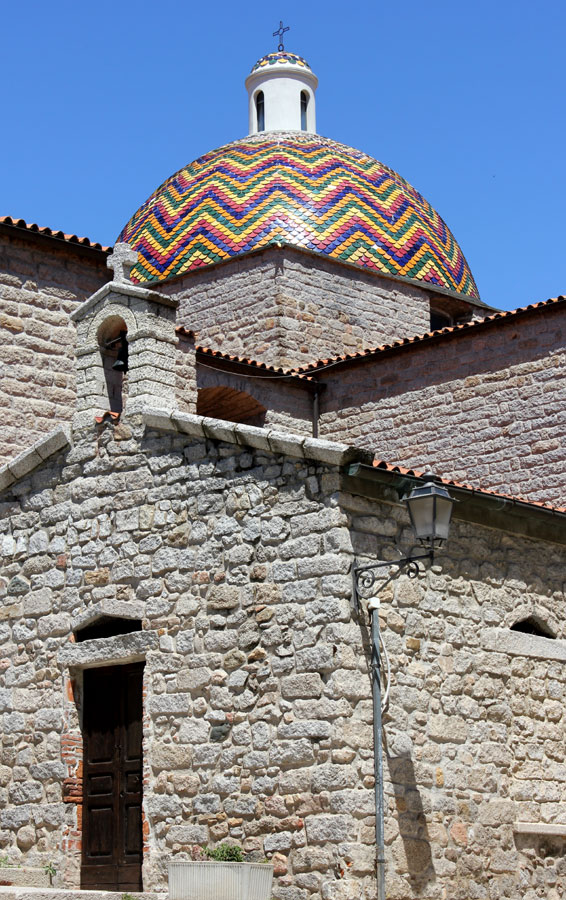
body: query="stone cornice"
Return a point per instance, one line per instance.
(27, 461)
(127, 290)
(272, 441)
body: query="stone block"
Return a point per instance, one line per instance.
(447, 729)
(497, 813)
(25, 876)
(333, 778)
(225, 784)
(350, 684)
(326, 451)
(223, 596)
(308, 728)
(356, 802)
(124, 648)
(301, 686)
(169, 757)
(282, 840)
(320, 658)
(194, 731)
(286, 444)
(285, 754)
(187, 834)
(330, 829)
(194, 679)
(166, 704)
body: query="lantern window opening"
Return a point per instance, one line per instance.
(304, 108)
(260, 110)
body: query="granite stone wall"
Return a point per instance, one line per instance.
(236, 556)
(41, 282)
(283, 308)
(486, 407)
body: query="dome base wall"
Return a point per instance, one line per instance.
(286, 308)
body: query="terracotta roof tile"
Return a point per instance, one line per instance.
(49, 232)
(415, 473)
(113, 416)
(242, 360)
(421, 338)
(239, 360)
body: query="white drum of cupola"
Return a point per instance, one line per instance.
(281, 95)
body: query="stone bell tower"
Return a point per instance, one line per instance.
(125, 346)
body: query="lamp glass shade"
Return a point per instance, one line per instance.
(430, 508)
(443, 516)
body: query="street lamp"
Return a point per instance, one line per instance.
(430, 510)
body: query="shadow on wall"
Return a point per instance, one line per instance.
(412, 820)
(224, 402)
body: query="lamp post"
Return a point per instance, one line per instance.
(430, 510)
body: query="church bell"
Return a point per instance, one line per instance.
(121, 364)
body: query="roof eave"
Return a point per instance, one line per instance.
(491, 510)
(81, 246)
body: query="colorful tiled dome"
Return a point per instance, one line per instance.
(280, 58)
(300, 190)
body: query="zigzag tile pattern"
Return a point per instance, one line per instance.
(299, 190)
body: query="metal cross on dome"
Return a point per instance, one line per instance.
(279, 33)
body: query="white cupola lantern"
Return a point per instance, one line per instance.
(281, 94)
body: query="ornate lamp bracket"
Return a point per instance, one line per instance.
(365, 577)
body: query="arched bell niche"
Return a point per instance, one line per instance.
(126, 348)
(112, 339)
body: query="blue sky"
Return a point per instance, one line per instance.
(101, 102)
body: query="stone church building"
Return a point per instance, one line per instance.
(198, 444)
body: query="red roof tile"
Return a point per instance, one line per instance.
(49, 232)
(239, 360)
(442, 334)
(230, 357)
(114, 416)
(388, 467)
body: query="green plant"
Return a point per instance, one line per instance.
(226, 853)
(127, 896)
(4, 862)
(50, 870)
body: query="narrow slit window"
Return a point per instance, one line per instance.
(260, 111)
(106, 627)
(304, 107)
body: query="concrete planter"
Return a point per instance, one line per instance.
(219, 881)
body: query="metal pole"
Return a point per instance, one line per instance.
(373, 607)
(315, 411)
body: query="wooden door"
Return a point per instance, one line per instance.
(112, 772)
